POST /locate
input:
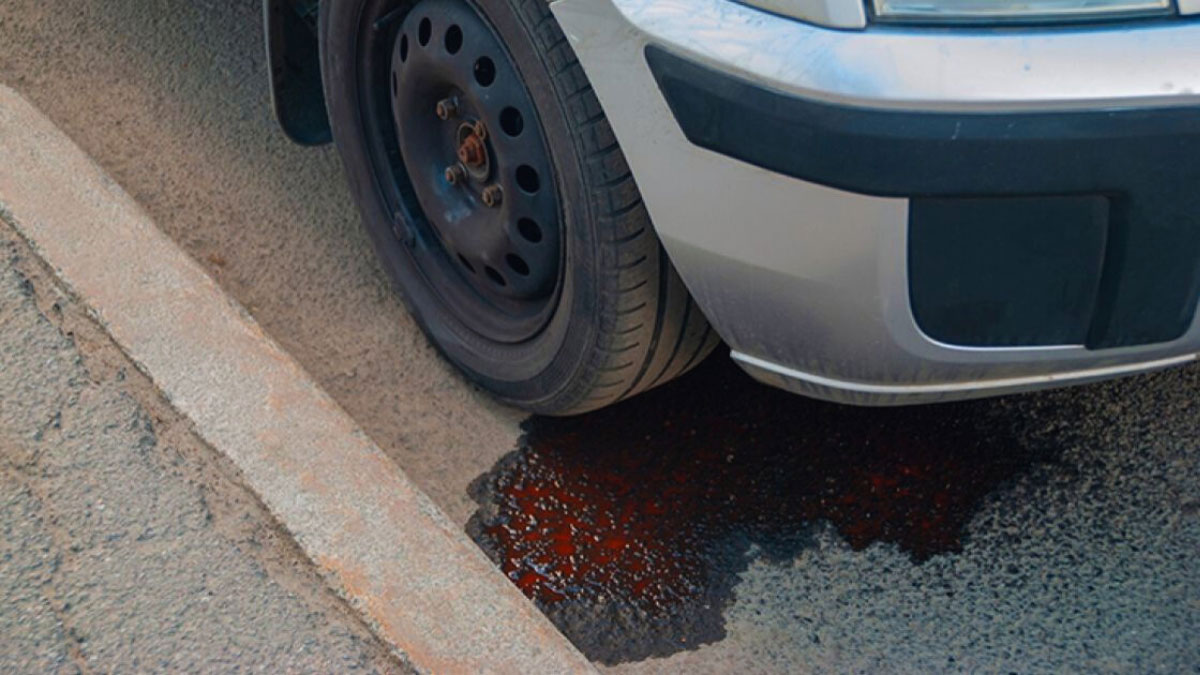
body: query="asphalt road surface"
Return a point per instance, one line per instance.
(125, 547)
(713, 526)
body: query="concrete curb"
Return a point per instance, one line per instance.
(379, 541)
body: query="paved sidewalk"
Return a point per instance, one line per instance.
(122, 547)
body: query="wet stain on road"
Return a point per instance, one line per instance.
(629, 526)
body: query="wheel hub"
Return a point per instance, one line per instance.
(476, 155)
(473, 150)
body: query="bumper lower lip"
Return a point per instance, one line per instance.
(806, 276)
(875, 394)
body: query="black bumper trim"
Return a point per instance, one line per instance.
(1146, 162)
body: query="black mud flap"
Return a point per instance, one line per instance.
(294, 64)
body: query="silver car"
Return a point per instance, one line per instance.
(880, 203)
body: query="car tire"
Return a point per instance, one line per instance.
(608, 316)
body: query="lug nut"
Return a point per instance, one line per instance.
(455, 174)
(480, 130)
(447, 108)
(493, 195)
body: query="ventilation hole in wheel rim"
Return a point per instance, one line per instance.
(466, 263)
(495, 276)
(529, 230)
(403, 48)
(517, 264)
(454, 39)
(394, 87)
(485, 71)
(512, 122)
(528, 179)
(424, 32)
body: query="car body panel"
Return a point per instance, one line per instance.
(808, 284)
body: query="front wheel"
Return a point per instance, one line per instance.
(500, 203)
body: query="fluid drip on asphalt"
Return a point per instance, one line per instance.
(629, 526)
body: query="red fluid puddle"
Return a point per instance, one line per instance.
(628, 526)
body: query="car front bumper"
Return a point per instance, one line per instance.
(782, 165)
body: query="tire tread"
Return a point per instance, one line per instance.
(651, 330)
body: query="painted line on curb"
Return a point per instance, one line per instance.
(422, 585)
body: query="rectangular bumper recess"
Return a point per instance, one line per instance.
(1006, 271)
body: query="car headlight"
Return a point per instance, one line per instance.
(1013, 10)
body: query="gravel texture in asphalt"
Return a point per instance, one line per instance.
(126, 546)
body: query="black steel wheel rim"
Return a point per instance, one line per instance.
(464, 166)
